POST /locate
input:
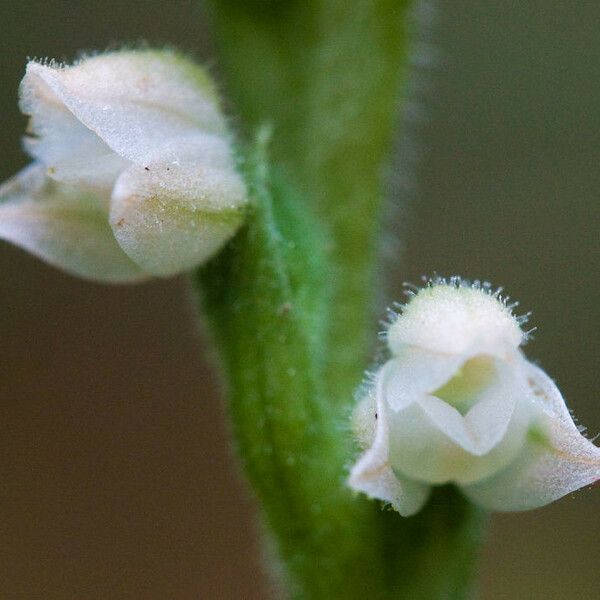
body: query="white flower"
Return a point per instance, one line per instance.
(133, 172)
(459, 403)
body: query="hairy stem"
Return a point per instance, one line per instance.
(290, 299)
(327, 75)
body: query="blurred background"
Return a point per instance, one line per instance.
(117, 477)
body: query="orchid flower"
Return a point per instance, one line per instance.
(133, 173)
(458, 402)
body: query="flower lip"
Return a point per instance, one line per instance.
(463, 390)
(63, 226)
(472, 408)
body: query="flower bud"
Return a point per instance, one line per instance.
(133, 173)
(459, 403)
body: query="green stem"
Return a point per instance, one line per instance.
(290, 300)
(267, 301)
(327, 75)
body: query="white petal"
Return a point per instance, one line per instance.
(555, 461)
(70, 151)
(486, 422)
(364, 419)
(180, 208)
(414, 372)
(29, 181)
(432, 442)
(134, 101)
(66, 229)
(460, 320)
(373, 475)
(545, 394)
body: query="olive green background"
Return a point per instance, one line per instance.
(117, 481)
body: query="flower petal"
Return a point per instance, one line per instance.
(413, 372)
(432, 442)
(555, 461)
(71, 152)
(456, 319)
(65, 228)
(373, 474)
(180, 208)
(485, 424)
(134, 101)
(545, 394)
